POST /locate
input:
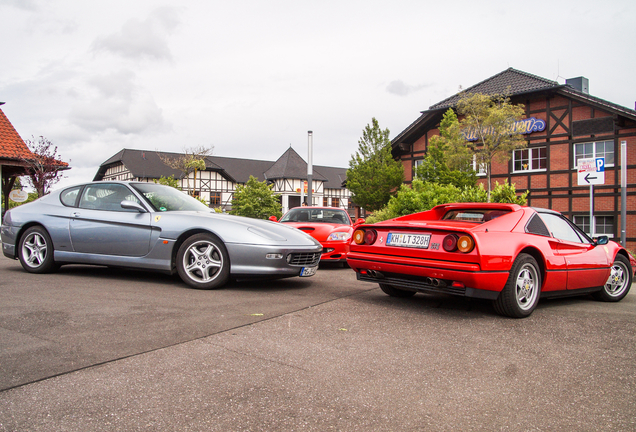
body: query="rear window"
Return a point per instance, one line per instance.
(474, 215)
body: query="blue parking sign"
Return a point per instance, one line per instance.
(600, 164)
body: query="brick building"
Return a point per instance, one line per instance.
(564, 123)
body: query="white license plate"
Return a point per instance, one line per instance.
(408, 240)
(308, 271)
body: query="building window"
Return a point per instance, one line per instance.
(325, 202)
(603, 225)
(335, 202)
(531, 159)
(215, 199)
(599, 149)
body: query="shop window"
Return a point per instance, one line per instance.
(598, 149)
(603, 225)
(530, 159)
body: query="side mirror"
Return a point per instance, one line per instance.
(131, 205)
(273, 219)
(359, 221)
(602, 240)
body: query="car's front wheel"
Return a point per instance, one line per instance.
(396, 292)
(618, 283)
(202, 262)
(35, 251)
(520, 295)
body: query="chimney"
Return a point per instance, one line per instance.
(581, 84)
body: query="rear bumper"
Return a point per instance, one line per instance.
(468, 281)
(9, 235)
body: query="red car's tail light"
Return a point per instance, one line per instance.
(465, 244)
(361, 236)
(450, 243)
(370, 236)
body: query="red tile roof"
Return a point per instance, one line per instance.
(11, 145)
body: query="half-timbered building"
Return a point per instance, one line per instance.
(217, 183)
(563, 125)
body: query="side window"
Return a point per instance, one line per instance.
(562, 229)
(69, 196)
(106, 197)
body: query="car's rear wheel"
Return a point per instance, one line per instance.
(618, 283)
(202, 262)
(35, 251)
(520, 295)
(396, 292)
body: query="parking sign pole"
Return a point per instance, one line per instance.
(310, 168)
(592, 230)
(623, 193)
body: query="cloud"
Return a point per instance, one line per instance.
(398, 87)
(29, 5)
(116, 102)
(142, 39)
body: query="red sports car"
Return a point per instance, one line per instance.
(502, 252)
(331, 226)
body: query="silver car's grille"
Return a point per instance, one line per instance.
(303, 258)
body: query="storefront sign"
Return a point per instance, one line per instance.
(524, 127)
(18, 195)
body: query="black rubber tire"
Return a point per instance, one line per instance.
(35, 251)
(203, 262)
(396, 292)
(520, 295)
(618, 283)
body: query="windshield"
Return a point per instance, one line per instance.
(165, 198)
(474, 215)
(314, 215)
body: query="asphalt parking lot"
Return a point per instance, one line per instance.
(97, 349)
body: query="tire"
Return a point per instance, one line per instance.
(618, 283)
(35, 251)
(202, 262)
(396, 292)
(520, 295)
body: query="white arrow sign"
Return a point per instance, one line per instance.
(591, 171)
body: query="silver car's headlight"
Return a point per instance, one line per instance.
(339, 236)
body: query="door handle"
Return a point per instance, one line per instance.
(75, 214)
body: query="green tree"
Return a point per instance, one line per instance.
(256, 200)
(435, 166)
(487, 126)
(373, 174)
(190, 161)
(168, 181)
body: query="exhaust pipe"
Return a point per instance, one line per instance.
(439, 283)
(375, 274)
(428, 281)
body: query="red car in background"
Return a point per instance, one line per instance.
(331, 226)
(506, 253)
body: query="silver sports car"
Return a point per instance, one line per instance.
(155, 227)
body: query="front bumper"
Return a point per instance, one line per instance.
(334, 251)
(251, 260)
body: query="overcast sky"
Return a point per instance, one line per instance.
(250, 78)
